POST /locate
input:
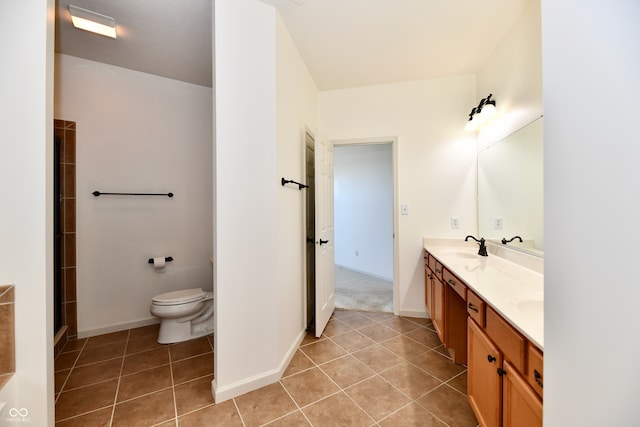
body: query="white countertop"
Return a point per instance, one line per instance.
(513, 287)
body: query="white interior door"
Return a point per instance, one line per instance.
(325, 286)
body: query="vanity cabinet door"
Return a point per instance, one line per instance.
(484, 386)
(522, 407)
(428, 285)
(437, 315)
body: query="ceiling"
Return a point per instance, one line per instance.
(344, 43)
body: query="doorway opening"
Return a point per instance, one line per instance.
(364, 225)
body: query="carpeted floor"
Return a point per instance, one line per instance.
(358, 291)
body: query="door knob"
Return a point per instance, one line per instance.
(322, 242)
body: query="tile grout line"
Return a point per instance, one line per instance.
(68, 375)
(173, 387)
(238, 411)
(115, 398)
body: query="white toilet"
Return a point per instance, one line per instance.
(184, 314)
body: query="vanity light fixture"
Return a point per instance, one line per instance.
(93, 21)
(480, 115)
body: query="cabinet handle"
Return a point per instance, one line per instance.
(473, 307)
(501, 372)
(537, 377)
(491, 359)
(437, 271)
(430, 276)
(451, 282)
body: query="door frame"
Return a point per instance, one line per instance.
(393, 140)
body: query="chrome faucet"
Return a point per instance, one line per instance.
(505, 241)
(483, 249)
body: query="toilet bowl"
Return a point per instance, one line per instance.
(184, 314)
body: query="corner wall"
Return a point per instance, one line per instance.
(591, 90)
(245, 264)
(265, 100)
(26, 210)
(139, 133)
(297, 111)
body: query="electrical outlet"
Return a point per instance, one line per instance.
(497, 223)
(455, 223)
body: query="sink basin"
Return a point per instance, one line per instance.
(464, 255)
(467, 253)
(529, 304)
(531, 307)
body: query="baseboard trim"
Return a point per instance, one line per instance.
(117, 327)
(246, 385)
(422, 314)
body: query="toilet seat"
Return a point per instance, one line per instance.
(184, 296)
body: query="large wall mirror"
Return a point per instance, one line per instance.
(510, 190)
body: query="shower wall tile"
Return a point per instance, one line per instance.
(70, 284)
(7, 330)
(69, 215)
(69, 153)
(69, 180)
(66, 131)
(7, 294)
(69, 250)
(70, 309)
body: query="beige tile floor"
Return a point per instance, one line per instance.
(368, 369)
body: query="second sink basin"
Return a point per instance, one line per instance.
(531, 307)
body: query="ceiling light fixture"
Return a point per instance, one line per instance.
(481, 114)
(93, 21)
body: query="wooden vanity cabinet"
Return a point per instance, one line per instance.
(520, 405)
(497, 389)
(445, 300)
(434, 294)
(505, 376)
(438, 313)
(484, 385)
(428, 286)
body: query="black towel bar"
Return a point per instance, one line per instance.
(98, 193)
(284, 181)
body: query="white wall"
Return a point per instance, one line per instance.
(297, 111)
(436, 160)
(363, 208)
(136, 132)
(26, 210)
(591, 90)
(264, 100)
(513, 74)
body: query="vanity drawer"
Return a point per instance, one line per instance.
(476, 308)
(438, 270)
(535, 374)
(455, 283)
(512, 344)
(435, 266)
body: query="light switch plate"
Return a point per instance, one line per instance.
(455, 222)
(498, 223)
(404, 209)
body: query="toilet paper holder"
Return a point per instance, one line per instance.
(167, 259)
